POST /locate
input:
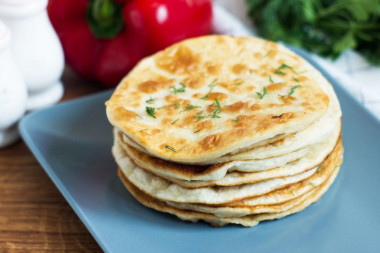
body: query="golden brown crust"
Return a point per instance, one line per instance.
(246, 89)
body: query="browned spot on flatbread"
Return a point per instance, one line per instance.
(236, 107)
(205, 124)
(213, 69)
(239, 68)
(217, 95)
(178, 60)
(255, 107)
(152, 86)
(275, 87)
(211, 142)
(123, 114)
(288, 99)
(194, 82)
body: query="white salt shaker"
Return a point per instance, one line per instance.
(36, 50)
(13, 91)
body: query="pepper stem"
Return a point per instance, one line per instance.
(104, 18)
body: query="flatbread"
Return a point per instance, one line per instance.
(164, 190)
(231, 173)
(208, 98)
(303, 190)
(248, 221)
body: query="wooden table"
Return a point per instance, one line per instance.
(34, 217)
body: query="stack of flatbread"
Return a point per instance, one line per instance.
(226, 130)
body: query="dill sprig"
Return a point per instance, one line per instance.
(178, 90)
(200, 117)
(190, 107)
(170, 148)
(150, 101)
(211, 85)
(293, 89)
(270, 79)
(216, 111)
(283, 66)
(261, 95)
(174, 121)
(150, 111)
(217, 104)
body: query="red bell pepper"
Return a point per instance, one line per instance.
(104, 39)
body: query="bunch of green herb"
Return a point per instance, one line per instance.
(326, 27)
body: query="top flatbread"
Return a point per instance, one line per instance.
(213, 95)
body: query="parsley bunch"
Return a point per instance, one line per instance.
(326, 27)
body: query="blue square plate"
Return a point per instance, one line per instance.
(72, 141)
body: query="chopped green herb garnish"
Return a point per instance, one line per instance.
(197, 131)
(295, 79)
(217, 104)
(159, 108)
(270, 79)
(261, 95)
(138, 116)
(293, 89)
(170, 148)
(200, 117)
(182, 89)
(174, 121)
(319, 168)
(176, 105)
(312, 184)
(238, 83)
(278, 71)
(211, 85)
(150, 111)
(199, 112)
(283, 66)
(216, 111)
(293, 193)
(142, 130)
(190, 107)
(236, 120)
(150, 101)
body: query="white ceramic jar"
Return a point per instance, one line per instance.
(13, 91)
(36, 50)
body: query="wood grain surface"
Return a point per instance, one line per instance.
(34, 217)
